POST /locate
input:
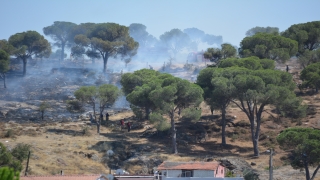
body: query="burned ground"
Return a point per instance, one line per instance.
(67, 141)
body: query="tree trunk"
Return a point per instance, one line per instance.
(24, 66)
(315, 172)
(223, 122)
(42, 113)
(147, 113)
(62, 52)
(173, 133)
(105, 61)
(254, 140)
(305, 163)
(4, 80)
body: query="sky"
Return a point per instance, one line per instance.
(228, 18)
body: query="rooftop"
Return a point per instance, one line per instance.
(189, 165)
(62, 177)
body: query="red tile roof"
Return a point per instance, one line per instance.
(59, 177)
(189, 165)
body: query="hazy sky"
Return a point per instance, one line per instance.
(229, 18)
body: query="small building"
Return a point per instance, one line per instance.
(193, 170)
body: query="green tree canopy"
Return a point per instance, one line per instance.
(253, 63)
(138, 85)
(270, 46)
(216, 54)
(103, 96)
(4, 65)
(258, 88)
(306, 34)
(251, 89)
(257, 29)
(309, 56)
(311, 76)
(305, 148)
(173, 95)
(218, 91)
(61, 33)
(28, 44)
(175, 40)
(109, 40)
(14, 158)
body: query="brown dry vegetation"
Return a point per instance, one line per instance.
(64, 145)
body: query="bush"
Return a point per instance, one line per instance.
(9, 174)
(86, 131)
(161, 124)
(74, 106)
(9, 133)
(191, 114)
(21, 151)
(138, 112)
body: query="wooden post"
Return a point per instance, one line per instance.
(271, 165)
(25, 173)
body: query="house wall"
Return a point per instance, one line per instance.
(220, 171)
(173, 173)
(203, 173)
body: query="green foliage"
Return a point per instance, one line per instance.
(305, 146)
(74, 106)
(161, 124)
(4, 62)
(306, 34)
(257, 29)
(28, 44)
(9, 133)
(9, 174)
(14, 158)
(249, 175)
(311, 76)
(44, 106)
(105, 95)
(20, 151)
(309, 56)
(61, 33)
(253, 63)
(230, 174)
(107, 40)
(191, 114)
(216, 54)
(268, 46)
(138, 85)
(175, 40)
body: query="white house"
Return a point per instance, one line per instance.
(192, 171)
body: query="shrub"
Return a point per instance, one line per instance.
(191, 114)
(9, 174)
(21, 151)
(86, 131)
(9, 133)
(74, 106)
(161, 124)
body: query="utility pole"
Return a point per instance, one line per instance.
(271, 165)
(25, 173)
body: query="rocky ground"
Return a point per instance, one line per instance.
(67, 141)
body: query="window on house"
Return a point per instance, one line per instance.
(221, 171)
(186, 173)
